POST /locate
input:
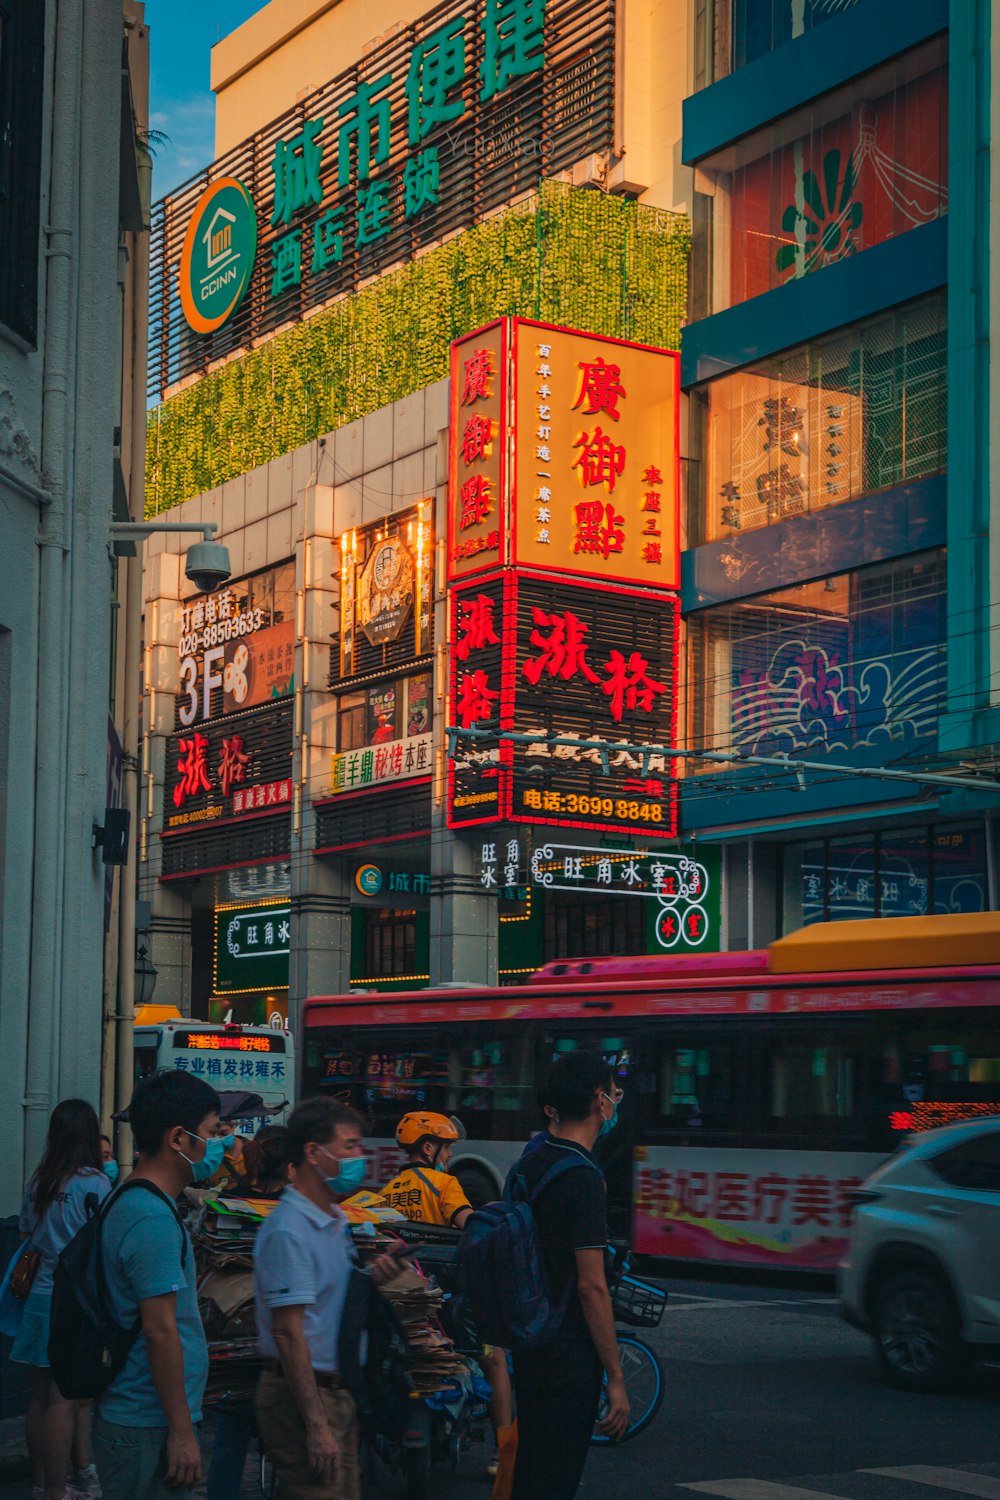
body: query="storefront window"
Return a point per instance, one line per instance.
(827, 422)
(390, 944)
(849, 172)
(586, 929)
(385, 712)
(853, 662)
(905, 872)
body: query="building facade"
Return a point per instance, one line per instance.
(74, 206)
(299, 778)
(842, 561)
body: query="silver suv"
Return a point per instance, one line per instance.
(922, 1271)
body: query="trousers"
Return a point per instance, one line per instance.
(283, 1434)
(558, 1390)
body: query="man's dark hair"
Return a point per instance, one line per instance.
(165, 1100)
(573, 1080)
(317, 1120)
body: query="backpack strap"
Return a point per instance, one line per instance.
(516, 1188)
(425, 1180)
(133, 1182)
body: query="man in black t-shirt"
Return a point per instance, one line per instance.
(558, 1385)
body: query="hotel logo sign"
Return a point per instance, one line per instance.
(217, 261)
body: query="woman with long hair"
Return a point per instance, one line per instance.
(68, 1183)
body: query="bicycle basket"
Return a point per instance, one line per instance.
(638, 1303)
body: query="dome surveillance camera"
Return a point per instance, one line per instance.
(207, 565)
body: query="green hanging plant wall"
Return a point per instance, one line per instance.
(566, 255)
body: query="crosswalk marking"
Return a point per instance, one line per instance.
(958, 1481)
(757, 1489)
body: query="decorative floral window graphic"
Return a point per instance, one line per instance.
(852, 662)
(877, 171)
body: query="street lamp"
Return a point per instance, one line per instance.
(145, 977)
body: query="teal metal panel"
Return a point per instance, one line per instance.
(896, 271)
(869, 33)
(967, 720)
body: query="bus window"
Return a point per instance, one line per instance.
(144, 1055)
(483, 1075)
(812, 1085)
(695, 1086)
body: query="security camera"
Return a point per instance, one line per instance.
(207, 565)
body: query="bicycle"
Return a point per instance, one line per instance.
(641, 1305)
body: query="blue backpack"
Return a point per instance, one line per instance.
(501, 1265)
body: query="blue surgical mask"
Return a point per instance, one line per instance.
(350, 1176)
(210, 1162)
(608, 1125)
(111, 1169)
(228, 1142)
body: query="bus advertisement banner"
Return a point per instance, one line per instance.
(751, 1208)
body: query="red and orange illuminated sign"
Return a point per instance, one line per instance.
(591, 426)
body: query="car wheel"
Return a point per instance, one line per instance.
(915, 1326)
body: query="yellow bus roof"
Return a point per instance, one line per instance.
(152, 1015)
(890, 943)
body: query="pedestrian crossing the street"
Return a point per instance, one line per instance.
(908, 1482)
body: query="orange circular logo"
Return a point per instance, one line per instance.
(217, 260)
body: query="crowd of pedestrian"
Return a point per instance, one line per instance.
(147, 1415)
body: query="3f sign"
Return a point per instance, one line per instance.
(189, 684)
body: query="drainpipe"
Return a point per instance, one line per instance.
(133, 685)
(45, 1017)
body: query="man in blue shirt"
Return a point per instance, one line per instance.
(145, 1438)
(302, 1263)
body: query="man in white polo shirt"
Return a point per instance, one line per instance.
(302, 1263)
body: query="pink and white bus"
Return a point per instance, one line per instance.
(760, 1088)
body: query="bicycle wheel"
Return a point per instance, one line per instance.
(644, 1384)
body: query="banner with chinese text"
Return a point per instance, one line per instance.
(251, 948)
(562, 660)
(477, 456)
(399, 760)
(238, 766)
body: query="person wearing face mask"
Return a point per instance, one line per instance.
(557, 1385)
(302, 1263)
(146, 1427)
(108, 1160)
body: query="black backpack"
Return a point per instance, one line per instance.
(87, 1347)
(374, 1359)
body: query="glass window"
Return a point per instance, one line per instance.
(974, 1165)
(826, 422)
(352, 721)
(851, 662)
(812, 1084)
(729, 34)
(578, 928)
(804, 885)
(390, 942)
(958, 861)
(696, 1086)
(488, 1082)
(850, 879)
(903, 873)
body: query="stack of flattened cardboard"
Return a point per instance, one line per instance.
(417, 1303)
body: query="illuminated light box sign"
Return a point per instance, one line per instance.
(208, 1041)
(456, 114)
(593, 486)
(379, 765)
(686, 914)
(236, 648)
(386, 593)
(228, 769)
(251, 948)
(563, 660)
(929, 1114)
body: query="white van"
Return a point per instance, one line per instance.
(256, 1059)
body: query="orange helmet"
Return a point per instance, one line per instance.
(420, 1125)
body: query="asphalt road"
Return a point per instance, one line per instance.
(771, 1397)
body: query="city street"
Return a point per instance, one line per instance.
(771, 1397)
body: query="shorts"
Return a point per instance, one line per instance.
(283, 1437)
(132, 1462)
(31, 1342)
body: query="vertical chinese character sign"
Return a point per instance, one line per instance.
(477, 478)
(482, 618)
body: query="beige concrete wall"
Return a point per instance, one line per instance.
(654, 65)
(290, 48)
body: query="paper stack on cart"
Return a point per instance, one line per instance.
(417, 1303)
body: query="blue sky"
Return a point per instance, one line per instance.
(181, 103)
